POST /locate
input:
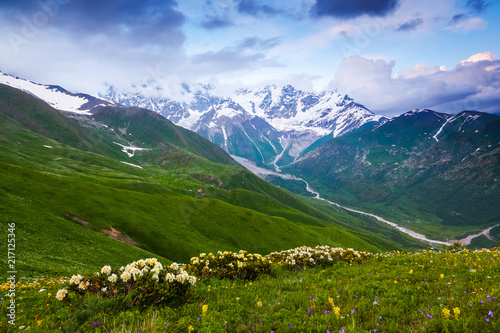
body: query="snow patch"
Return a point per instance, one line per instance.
(134, 165)
(130, 150)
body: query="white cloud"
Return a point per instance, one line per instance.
(473, 84)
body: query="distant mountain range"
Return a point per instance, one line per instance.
(115, 184)
(272, 126)
(442, 168)
(433, 172)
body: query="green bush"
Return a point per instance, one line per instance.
(302, 257)
(142, 283)
(240, 265)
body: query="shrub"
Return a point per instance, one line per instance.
(141, 283)
(304, 256)
(240, 265)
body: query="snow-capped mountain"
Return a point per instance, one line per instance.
(272, 126)
(56, 96)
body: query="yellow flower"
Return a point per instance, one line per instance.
(446, 313)
(330, 300)
(456, 311)
(441, 276)
(204, 308)
(190, 328)
(395, 281)
(411, 271)
(259, 304)
(336, 310)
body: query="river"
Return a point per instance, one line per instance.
(261, 172)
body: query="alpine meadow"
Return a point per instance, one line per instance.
(323, 166)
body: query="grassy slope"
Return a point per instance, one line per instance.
(177, 206)
(393, 292)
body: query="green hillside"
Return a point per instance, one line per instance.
(180, 196)
(435, 173)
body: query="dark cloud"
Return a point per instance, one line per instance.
(477, 5)
(347, 9)
(410, 25)
(251, 7)
(212, 23)
(143, 22)
(457, 18)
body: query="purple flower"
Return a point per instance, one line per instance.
(342, 330)
(481, 302)
(138, 330)
(353, 311)
(166, 323)
(291, 326)
(356, 296)
(487, 320)
(490, 314)
(326, 312)
(429, 315)
(98, 323)
(374, 330)
(310, 310)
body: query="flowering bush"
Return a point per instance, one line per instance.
(143, 283)
(304, 256)
(237, 265)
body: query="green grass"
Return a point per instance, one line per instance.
(392, 292)
(174, 207)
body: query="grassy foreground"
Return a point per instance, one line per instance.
(425, 291)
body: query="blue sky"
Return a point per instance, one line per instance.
(389, 55)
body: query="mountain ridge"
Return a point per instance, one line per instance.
(270, 126)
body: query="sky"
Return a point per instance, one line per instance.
(389, 55)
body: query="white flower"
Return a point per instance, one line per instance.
(155, 277)
(112, 278)
(75, 279)
(192, 279)
(170, 277)
(106, 270)
(125, 276)
(174, 266)
(61, 294)
(180, 278)
(41, 290)
(83, 285)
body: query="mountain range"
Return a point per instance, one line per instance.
(271, 127)
(130, 173)
(110, 183)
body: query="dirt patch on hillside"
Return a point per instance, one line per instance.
(77, 219)
(112, 232)
(115, 234)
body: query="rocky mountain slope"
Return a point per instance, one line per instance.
(271, 127)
